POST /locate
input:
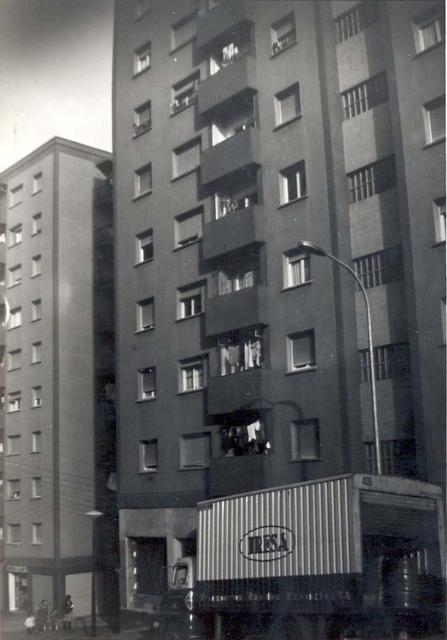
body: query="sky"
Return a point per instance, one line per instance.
(55, 74)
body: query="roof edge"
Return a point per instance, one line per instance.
(64, 143)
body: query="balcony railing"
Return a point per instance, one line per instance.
(283, 42)
(182, 102)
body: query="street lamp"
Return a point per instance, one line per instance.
(94, 515)
(310, 247)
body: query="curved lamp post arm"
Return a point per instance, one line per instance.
(310, 247)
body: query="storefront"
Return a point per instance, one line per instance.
(19, 597)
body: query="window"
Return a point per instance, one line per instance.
(141, 8)
(195, 450)
(145, 314)
(292, 183)
(183, 31)
(188, 227)
(190, 301)
(434, 118)
(192, 375)
(37, 182)
(2, 233)
(147, 389)
(15, 275)
(15, 235)
(429, 29)
(440, 220)
(283, 34)
(148, 455)
(36, 266)
(240, 351)
(365, 96)
(398, 457)
(36, 487)
(443, 319)
(390, 361)
(36, 352)
(13, 445)
(14, 401)
(356, 20)
(36, 533)
(2, 274)
(36, 310)
(36, 441)
(145, 246)
(186, 158)
(143, 180)
(14, 359)
(301, 351)
(142, 119)
(184, 93)
(14, 534)
(374, 178)
(142, 58)
(305, 440)
(380, 268)
(16, 195)
(13, 490)
(36, 397)
(36, 224)
(296, 268)
(287, 104)
(15, 318)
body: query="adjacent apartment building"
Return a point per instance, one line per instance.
(240, 129)
(58, 372)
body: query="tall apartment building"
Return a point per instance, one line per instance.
(241, 128)
(3, 318)
(59, 368)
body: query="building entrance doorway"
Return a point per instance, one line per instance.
(18, 591)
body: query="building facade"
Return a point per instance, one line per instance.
(59, 373)
(240, 129)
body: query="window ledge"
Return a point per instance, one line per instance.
(418, 54)
(140, 133)
(36, 498)
(147, 472)
(278, 53)
(16, 284)
(34, 193)
(12, 328)
(13, 499)
(146, 330)
(187, 106)
(189, 391)
(433, 143)
(307, 460)
(297, 286)
(194, 315)
(36, 544)
(14, 369)
(36, 406)
(14, 244)
(36, 275)
(187, 244)
(33, 452)
(16, 204)
(35, 320)
(36, 362)
(198, 467)
(11, 454)
(180, 46)
(138, 264)
(284, 124)
(14, 411)
(303, 370)
(140, 400)
(141, 195)
(36, 233)
(440, 243)
(143, 15)
(286, 204)
(137, 74)
(187, 173)
(14, 544)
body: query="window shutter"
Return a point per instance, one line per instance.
(189, 227)
(303, 351)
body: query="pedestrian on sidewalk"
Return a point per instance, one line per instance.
(67, 612)
(42, 616)
(30, 622)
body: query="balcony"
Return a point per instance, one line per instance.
(234, 80)
(214, 25)
(233, 231)
(247, 390)
(244, 308)
(239, 152)
(236, 475)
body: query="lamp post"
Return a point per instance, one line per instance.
(93, 515)
(310, 247)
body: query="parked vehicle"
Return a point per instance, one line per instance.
(353, 556)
